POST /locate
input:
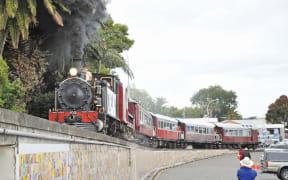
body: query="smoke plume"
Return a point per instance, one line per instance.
(66, 43)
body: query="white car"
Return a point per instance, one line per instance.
(275, 160)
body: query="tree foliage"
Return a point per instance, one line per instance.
(158, 105)
(10, 92)
(16, 16)
(222, 103)
(103, 52)
(40, 105)
(278, 111)
(143, 98)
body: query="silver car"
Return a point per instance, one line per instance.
(275, 160)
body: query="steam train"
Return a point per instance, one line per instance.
(99, 102)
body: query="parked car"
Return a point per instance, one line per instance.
(275, 160)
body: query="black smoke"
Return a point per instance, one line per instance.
(66, 43)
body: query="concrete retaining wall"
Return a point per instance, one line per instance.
(25, 157)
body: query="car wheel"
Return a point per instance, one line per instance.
(284, 174)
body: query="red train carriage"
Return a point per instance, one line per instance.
(198, 134)
(236, 136)
(166, 131)
(143, 120)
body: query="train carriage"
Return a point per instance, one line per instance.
(236, 136)
(166, 130)
(198, 134)
(143, 122)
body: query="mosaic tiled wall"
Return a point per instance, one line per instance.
(43, 166)
(97, 162)
(79, 162)
(89, 162)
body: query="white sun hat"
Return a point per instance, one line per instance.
(246, 162)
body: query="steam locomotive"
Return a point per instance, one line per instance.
(99, 102)
(92, 101)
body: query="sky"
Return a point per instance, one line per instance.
(182, 46)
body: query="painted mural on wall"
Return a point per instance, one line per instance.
(43, 166)
(73, 162)
(90, 162)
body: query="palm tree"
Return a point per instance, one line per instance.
(17, 15)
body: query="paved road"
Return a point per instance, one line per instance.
(217, 168)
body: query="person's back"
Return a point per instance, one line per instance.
(245, 173)
(246, 153)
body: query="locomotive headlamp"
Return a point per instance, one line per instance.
(73, 71)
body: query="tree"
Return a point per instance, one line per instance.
(10, 92)
(16, 16)
(40, 105)
(193, 112)
(143, 98)
(159, 103)
(278, 111)
(221, 102)
(103, 52)
(172, 111)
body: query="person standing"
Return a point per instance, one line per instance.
(240, 154)
(246, 153)
(245, 172)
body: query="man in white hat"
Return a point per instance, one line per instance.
(245, 172)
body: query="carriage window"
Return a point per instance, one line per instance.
(162, 124)
(171, 127)
(230, 132)
(249, 133)
(240, 132)
(192, 128)
(236, 133)
(246, 133)
(200, 130)
(196, 129)
(204, 130)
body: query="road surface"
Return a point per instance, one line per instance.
(217, 168)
